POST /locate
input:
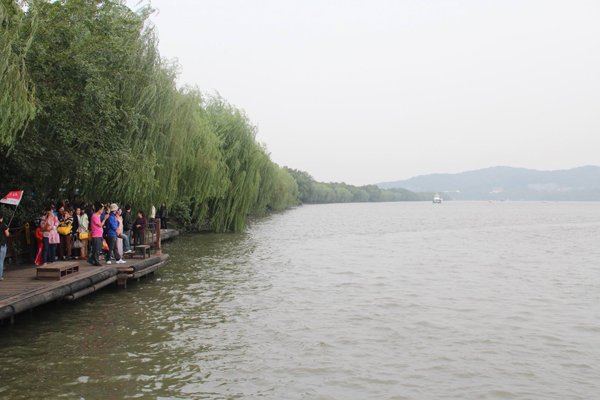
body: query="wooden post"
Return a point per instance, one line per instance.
(122, 280)
(158, 249)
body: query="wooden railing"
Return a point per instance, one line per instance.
(152, 235)
(20, 243)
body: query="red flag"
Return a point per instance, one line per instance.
(13, 198)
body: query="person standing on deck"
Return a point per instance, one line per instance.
(127, 228)
(3, 244)
(39, 236)
(152, 218)
(111, 235)
(61, 212)
(75, 251)
(89, 212)
(97, 231)
(140, 228)
(164, 215)
(65, 223)
(82, 227)
(49, 225)
(120, 235)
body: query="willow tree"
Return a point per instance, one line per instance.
(243, 158)
(278, 188)
(267, 181)
(176, 153)
(112, 123)
(75, 63)
(285, 193)
(16, 89)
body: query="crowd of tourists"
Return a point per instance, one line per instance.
(91, 233)
(76, 230)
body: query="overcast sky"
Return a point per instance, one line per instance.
(370, 91)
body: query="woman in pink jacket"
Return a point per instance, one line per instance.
(49, 226)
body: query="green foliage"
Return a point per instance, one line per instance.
(111, 123)
(304, 182)
(286, 190)
(181, 212)
(360, 196)
(16, 89)
(311, 191)
(254, 182)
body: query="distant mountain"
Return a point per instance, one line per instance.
(502, 183)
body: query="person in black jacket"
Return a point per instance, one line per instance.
(75, 252)
(140, 228)
(164, 215)
(127, 228)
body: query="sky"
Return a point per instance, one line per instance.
(364, 92)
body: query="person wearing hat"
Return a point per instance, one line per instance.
(111, 235)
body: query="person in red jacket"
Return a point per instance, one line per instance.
(39, 235)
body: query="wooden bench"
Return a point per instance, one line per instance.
(141, 250)
(56, 273)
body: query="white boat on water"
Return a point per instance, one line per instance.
(437, 199)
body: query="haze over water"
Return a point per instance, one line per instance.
(347, 301)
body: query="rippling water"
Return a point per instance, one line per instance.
(355, 301)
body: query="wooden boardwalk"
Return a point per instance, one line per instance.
(21, 281)
(21, 291)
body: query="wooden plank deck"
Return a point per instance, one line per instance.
(20, 290)
(20, 280)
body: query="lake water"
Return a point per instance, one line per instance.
(466, 300)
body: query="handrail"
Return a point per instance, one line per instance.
(18, 244)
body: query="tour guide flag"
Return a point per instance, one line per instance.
(13, 198)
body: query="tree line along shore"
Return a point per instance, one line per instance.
(89, 106)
